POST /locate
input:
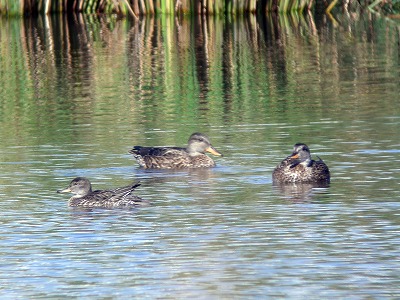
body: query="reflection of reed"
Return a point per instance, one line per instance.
(168, 66)
(201, 44)
(149, 7)
(54, 43)
(177, 7)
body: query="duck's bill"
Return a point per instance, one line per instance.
(212, 150)
(295, 156)
(67, 190)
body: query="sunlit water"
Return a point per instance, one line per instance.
(74, 105)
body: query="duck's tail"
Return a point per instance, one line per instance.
(135, 185)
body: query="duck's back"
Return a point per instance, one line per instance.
(161, 157)
(157, 151)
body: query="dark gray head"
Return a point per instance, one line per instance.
(199, 143)
(301, 152)
(80, 186)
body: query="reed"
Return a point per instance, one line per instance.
(150, 7)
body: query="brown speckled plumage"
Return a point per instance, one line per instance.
(299, 167)
(177, 158)
(117, 198)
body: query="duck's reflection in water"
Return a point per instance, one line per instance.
(157, 176)
(302, 192)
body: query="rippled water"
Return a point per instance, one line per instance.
(74, 105)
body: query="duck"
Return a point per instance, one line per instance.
(300, 168)
(193, 156)
(117, 198)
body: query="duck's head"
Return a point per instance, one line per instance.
(79, 186)
(301, 153)
(199, 143)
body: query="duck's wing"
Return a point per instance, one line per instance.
(101, 195)
(124, 189)
(94, 199)
(156, 151)
(119, 197)
(124, 197)
(321, 167)
(161, 157)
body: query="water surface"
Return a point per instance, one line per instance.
(78, 93)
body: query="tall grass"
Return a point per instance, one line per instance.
(149, 7)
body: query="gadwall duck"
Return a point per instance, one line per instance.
(177, 158)
(85, 197)
(299, 167)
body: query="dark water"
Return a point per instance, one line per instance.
(76, 94)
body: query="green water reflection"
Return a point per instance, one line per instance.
(165, 73)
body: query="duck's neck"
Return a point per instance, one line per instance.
(192, 151)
